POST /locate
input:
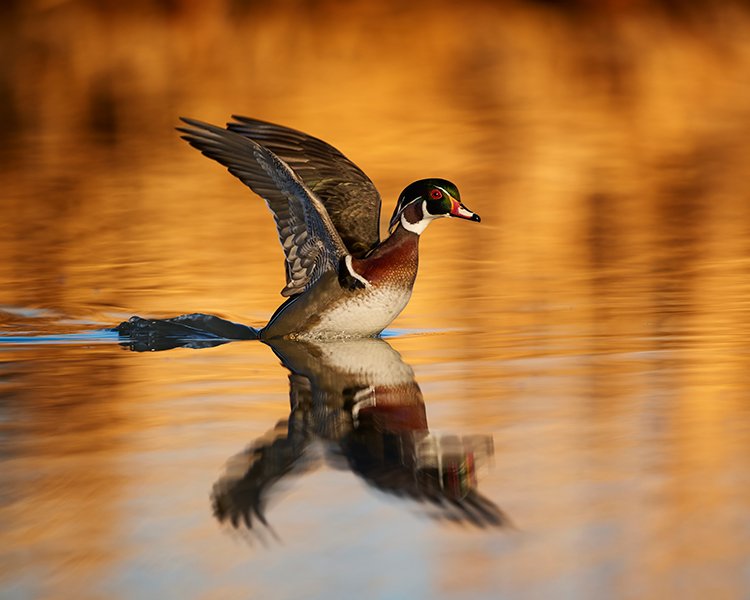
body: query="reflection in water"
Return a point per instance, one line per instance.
(361, 402)
(186, 331)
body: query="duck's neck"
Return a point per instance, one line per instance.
(402, 241)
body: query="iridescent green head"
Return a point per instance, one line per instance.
(429, 199)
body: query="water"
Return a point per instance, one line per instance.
(578, 361)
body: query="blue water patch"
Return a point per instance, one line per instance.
(392, 332)
(86, 337)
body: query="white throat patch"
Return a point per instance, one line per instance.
(421, 225)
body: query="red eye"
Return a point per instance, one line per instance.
(436, 194)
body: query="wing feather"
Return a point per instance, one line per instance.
(311, 244)
(351, 199)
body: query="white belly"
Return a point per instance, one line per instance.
(362, 315)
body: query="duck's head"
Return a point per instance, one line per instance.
(429, 199)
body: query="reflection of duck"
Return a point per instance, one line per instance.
(361, 400)
(341, 280)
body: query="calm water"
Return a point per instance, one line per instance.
(560, 412)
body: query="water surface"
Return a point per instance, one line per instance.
(579, 360)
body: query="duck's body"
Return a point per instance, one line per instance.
(341, 280)
(354, 306)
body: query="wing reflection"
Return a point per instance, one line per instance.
(358, 400)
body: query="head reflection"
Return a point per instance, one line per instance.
(361, 401)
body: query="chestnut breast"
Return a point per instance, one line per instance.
(394, 263)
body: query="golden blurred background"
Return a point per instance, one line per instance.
(609, 138)
(595, 322)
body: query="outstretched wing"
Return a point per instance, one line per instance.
(310, 241)
(351, 199)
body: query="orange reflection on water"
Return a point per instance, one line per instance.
(595, 323)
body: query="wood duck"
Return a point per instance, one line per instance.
(341, 280)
